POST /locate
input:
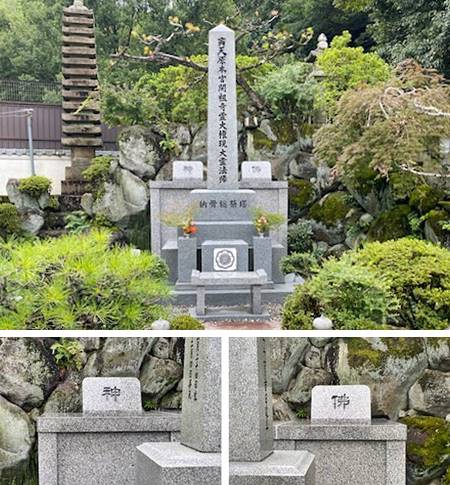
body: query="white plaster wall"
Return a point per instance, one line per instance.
(18, 166)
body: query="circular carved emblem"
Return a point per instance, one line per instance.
(225, 259)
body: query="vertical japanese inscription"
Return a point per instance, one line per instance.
(194, 368)
(222, 134)
(267, 389)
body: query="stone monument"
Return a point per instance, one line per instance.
(348, 445)
(196, 460)
(98, 445)
(253, 459)
(226, 240)
(81, 129)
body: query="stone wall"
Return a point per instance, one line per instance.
(408, 377)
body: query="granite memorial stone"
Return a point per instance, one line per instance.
(253, 460)
(187, 170)
(257, 171)
(196, 460)
(111, 395)
(341, 404)
(201, 417)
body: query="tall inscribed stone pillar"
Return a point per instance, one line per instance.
(81, 131)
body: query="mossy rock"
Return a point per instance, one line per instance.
(424, 198)
(363, 178)
(391, 224)
(332, 209)
(285, 132)
(428, 447)
(363, 353)
(262, 142)
(301, 193)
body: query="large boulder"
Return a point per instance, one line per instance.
(430, 394)
(300, 390)
(438, 351)
(16, 442)
(388, 366)
(287, 356)
(121, 357)
(23, 201)
(29, 372)
(159, 376)
(140, 151)
(66, 398)
(126, 196)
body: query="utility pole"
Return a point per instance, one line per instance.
(30, 139)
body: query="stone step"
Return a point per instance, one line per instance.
(74, 186)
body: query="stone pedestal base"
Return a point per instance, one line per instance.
(175, 464)
(280, 468)
(359, 454)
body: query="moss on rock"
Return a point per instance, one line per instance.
(364, 353)
(428, 445)
(262, 142)
(391, 224)
(301, 192)
(331, 209)
(424, 198)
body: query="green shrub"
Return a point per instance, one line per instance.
(299, 263)
(404, 282)
(300, 237)
(186, 322)
(419, 275)
(35, 186)
(9, 220)
(78, 222)
(68, 354)
(98, 173)
(350, 296)
(78, 282)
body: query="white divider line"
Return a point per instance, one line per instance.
(225, 398)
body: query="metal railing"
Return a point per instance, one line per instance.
(46, 92)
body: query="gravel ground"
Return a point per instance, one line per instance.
(272, 323)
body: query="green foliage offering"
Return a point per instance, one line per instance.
(78, 282)
(346, 68)
(300, 237)
(290, 92)
(389, 128)
(186, 322)
(35, 186)
(404, 282)
(266, 221)
(10, 222)
(68, 354)
(78, 222)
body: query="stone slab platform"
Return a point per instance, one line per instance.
(370, 454)
(176, 464)
(82, 450)
(229, 315)
(279, 468)
(232, 296)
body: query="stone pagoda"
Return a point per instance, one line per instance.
(81, 128)
(226, 260)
